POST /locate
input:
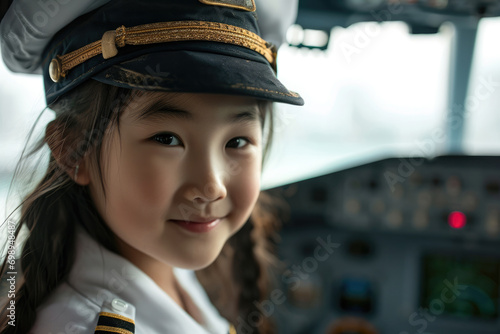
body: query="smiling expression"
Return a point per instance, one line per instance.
(179, 158)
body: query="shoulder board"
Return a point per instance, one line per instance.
(116, 317)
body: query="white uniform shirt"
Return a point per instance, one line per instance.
(101, 281)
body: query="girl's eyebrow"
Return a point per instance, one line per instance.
(161, 111)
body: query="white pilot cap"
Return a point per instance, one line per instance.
(28, 26)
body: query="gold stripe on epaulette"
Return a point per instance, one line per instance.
(117, 316)
(248, 5)
(108, 329)
(232, 330)
(114, 323)
(162, 32)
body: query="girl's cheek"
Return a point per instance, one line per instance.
(151, 175)
(247, 188)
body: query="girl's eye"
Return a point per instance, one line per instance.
(239, 142)
(167, 139)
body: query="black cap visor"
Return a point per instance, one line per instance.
(207, 68)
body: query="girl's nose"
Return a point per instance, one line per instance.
(207, 180)
(212, 190)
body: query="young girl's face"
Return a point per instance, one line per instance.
(189, 157)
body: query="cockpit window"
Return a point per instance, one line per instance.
(482, 135)
(376, 91)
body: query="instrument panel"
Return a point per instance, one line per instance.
(401, 245)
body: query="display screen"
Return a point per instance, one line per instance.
(466, 287)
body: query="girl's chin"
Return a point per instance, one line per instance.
(198, 265)
(196, 262)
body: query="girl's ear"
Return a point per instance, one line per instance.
(62, 148)
(81, 175)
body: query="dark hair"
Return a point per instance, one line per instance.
(57, 203)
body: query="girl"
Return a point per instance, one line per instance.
(163, 121)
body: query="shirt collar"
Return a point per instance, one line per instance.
(102, 275)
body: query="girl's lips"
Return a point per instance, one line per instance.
(198, 227)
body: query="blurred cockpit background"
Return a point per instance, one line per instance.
(390, 170)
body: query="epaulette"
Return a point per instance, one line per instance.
(116, 317)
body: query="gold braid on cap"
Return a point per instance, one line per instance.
(161, 32)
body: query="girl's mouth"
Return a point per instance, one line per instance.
(197, 227)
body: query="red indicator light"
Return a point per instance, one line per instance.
(457, 219)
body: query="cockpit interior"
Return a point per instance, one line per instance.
(395, 229)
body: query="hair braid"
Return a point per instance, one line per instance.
(246, 269)
(50, 212)
(46, 255)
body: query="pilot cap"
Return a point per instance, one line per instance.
(193, 46)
